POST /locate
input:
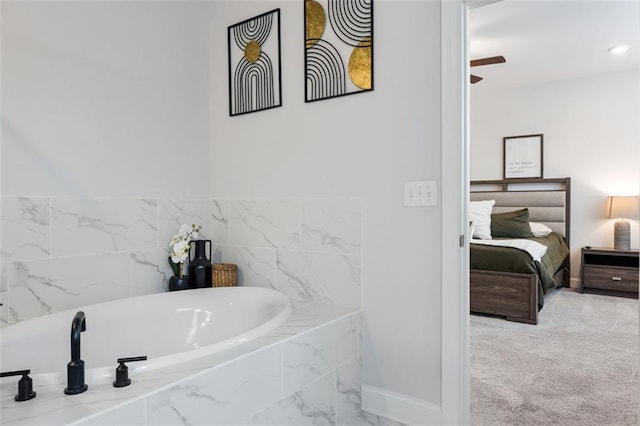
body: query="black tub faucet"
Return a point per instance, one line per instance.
(75, 367)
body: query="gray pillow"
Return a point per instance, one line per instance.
(513, 224)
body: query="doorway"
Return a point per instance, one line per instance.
(578, 239)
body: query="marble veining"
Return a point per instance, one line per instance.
(307, 248)
(25, 228)
(333, 225)
(324, 277)
(40, 287)
(220, 225)
(362, 418)
(292, 284)
(265, 223)
(150, 272)
(349, 396)
(222, 395)
(23, 275)
(311, 405)
(256, 265)
(174, 213)
(306, 358)
(83, 226)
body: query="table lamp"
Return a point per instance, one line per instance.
(623, 208)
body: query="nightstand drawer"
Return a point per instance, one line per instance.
(610, 278)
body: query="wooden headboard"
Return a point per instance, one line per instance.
(548, 200)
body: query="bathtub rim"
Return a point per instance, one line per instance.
(60, 409)
(104, 374)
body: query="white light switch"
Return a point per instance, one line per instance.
(418, 194)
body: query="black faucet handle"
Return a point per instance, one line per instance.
(132, 359)
(25, 384)
(122, 371)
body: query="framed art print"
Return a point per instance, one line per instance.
(338, 58)
(522, 156)
(255, 81)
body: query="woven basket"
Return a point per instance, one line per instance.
(224, 274)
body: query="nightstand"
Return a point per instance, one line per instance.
(609, 271)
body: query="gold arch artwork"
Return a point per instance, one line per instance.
(255, 80)
(338, 48)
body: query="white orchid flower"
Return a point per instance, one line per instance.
(184, 230)
(179, 245)
(180, 251)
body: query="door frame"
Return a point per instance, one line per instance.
(455, 403)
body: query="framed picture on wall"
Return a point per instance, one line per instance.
(255, 79)
(522, 156)
(338, 54)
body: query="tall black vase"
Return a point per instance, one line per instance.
(200, 264)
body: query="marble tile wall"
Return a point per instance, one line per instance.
(311, 379)
(62, 253)
(309, 249)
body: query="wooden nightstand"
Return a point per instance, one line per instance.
(609, 271)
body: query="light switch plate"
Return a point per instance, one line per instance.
(420, 194)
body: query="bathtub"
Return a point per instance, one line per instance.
(168, 328)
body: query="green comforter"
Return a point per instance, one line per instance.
(507, 259)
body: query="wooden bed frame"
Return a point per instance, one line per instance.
(513, 295)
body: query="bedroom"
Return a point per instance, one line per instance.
(589, 121)
(588, 118)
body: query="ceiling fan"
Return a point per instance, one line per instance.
(485, 61)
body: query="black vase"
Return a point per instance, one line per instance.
(200, 264)
(178, 283)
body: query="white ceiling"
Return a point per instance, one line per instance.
(548, 40)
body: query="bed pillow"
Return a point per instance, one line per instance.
(513, 224)
(539, 229)
(480, 215)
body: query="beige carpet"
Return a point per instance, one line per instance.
(578, 366)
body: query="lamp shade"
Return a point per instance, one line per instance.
(624, 207)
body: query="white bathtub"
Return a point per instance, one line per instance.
(168, 328)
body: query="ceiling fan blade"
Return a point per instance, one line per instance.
(488, 61)
(475, 79)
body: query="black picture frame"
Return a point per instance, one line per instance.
(523, 156)
(338, 48)
(255, 77)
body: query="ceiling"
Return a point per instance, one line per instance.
(550, 40)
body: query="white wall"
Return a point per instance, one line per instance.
(591, 133)
(105, 99)
(104, 122)
(363, 145)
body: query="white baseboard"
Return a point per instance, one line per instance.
(400, 408)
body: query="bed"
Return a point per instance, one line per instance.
(506, 281)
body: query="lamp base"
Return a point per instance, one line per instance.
(622, 235)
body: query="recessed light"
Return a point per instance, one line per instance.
(618, 50)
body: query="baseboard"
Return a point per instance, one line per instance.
(400, 408)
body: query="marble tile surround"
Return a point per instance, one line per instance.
(309, 249)
(61, 253)
(246, 385)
